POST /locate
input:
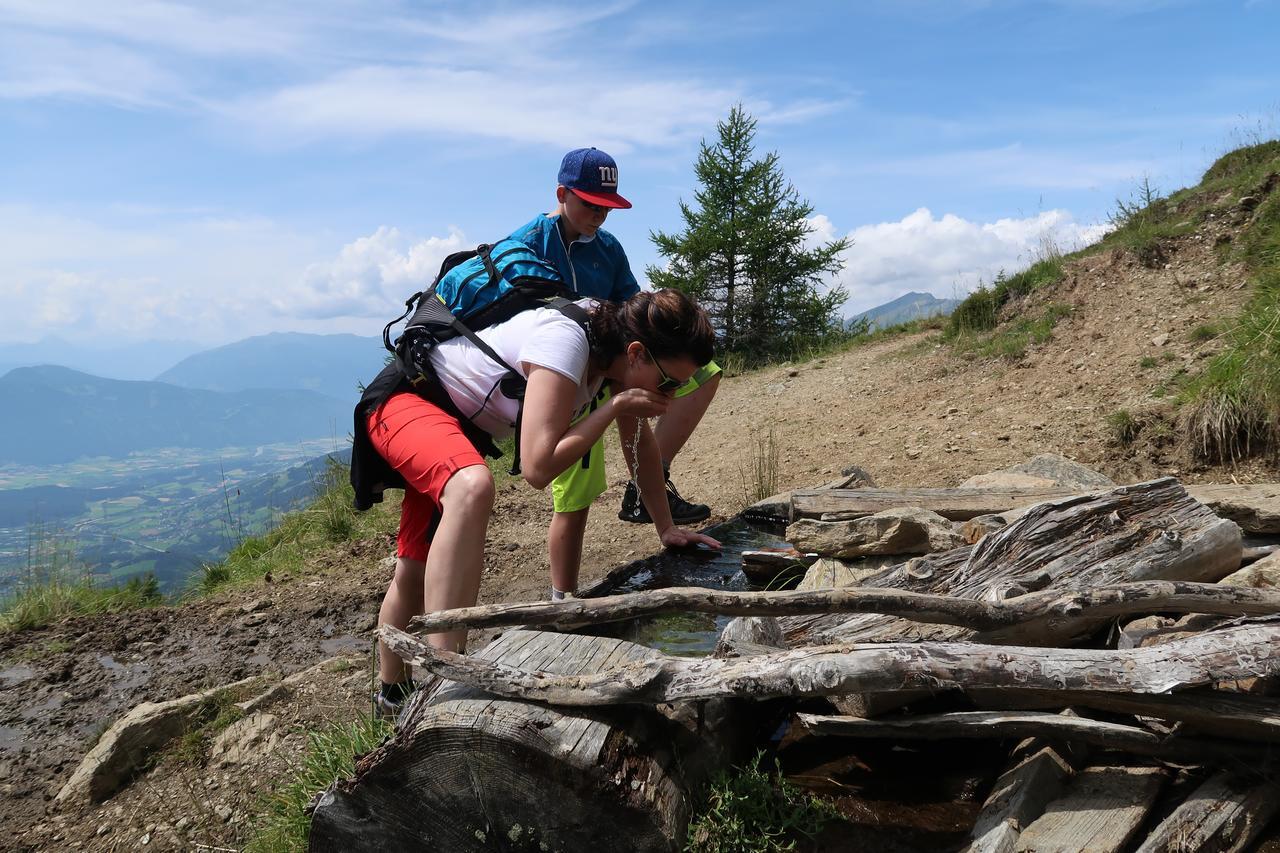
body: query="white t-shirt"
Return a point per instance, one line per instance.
(542, 337)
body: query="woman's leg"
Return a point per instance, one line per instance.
(456, 559)
(402, 602)
(564, 547)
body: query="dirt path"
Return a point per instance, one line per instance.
(909, 411)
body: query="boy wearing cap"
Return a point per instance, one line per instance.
(594, 264)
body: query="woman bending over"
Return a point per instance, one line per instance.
(644, 348)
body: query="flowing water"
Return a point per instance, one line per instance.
(690, 633)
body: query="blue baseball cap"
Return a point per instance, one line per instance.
(592, 175)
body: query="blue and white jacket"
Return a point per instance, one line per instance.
(593, 266)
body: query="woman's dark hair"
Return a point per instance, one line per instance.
(667, 322)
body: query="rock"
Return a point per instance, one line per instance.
(1006, 480)
(830, 573)
(906, 530)
(1049, 469)
(1160, 339)
(975, 528)
(256, 605)
(244, 740)
(1255, 507)
(128, 744)
(223, 812)
(1264, 574)
(1247, 203)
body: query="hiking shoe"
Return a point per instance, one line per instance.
(682, 511)
(388, 709)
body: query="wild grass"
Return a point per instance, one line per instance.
(980, 311)
(55, 584)
(749, 810)
(1011, 342)
(330, 755)
(329, 519)
(760, 480)
(1232, 410)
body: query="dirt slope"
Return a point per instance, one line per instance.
(910, 411)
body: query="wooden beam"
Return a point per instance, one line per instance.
(954, 504)
(1045, 725)
(1224, 815)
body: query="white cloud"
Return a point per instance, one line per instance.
(375, 101)
(371, 277)
(947, 256)
(202, 278)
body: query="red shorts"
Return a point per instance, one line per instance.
(425, 444)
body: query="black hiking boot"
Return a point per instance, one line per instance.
(682, 512)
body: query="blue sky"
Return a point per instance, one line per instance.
(206, 172)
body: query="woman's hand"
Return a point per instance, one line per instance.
(678, 537)
(639, 403)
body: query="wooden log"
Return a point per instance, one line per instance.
(1099, 812)
(1216, 713)
(476, 772)
(1224, 815)
(1046, 726)
(1147, 531)
(1036, 776)
(1042, 618)
(648, 676)
(953, 504)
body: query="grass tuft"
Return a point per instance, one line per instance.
(1012, 342)
(331, 754)
(980, 311)
(761, 480)
(1123, 427)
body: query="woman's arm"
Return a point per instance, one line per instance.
(652, 483)
(548, 444)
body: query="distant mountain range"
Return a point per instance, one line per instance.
(334, 365)
(55, 414)
(127, 361)
(907, 307)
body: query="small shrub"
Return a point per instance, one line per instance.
(1147, 362)
(748, 810)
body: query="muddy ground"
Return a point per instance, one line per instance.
(910, 411)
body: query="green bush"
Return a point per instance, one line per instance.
(1123, 427)
(750, 811)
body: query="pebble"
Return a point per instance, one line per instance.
(223, 813)
(104, 829)
(146, 839)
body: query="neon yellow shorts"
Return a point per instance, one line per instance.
(584, 481)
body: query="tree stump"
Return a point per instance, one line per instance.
(476, 772)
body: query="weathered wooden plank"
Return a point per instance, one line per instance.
(1047, 726)
(1232, 653)
(1148, 531)
(1224, 815)
(1037, 776)
(953, 504)
(1099, 812)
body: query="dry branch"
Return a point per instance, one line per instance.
(1224, 655)
(1027, 618)
(953, 504)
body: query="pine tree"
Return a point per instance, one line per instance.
(742, 252)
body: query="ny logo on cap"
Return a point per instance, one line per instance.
(609, 176)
